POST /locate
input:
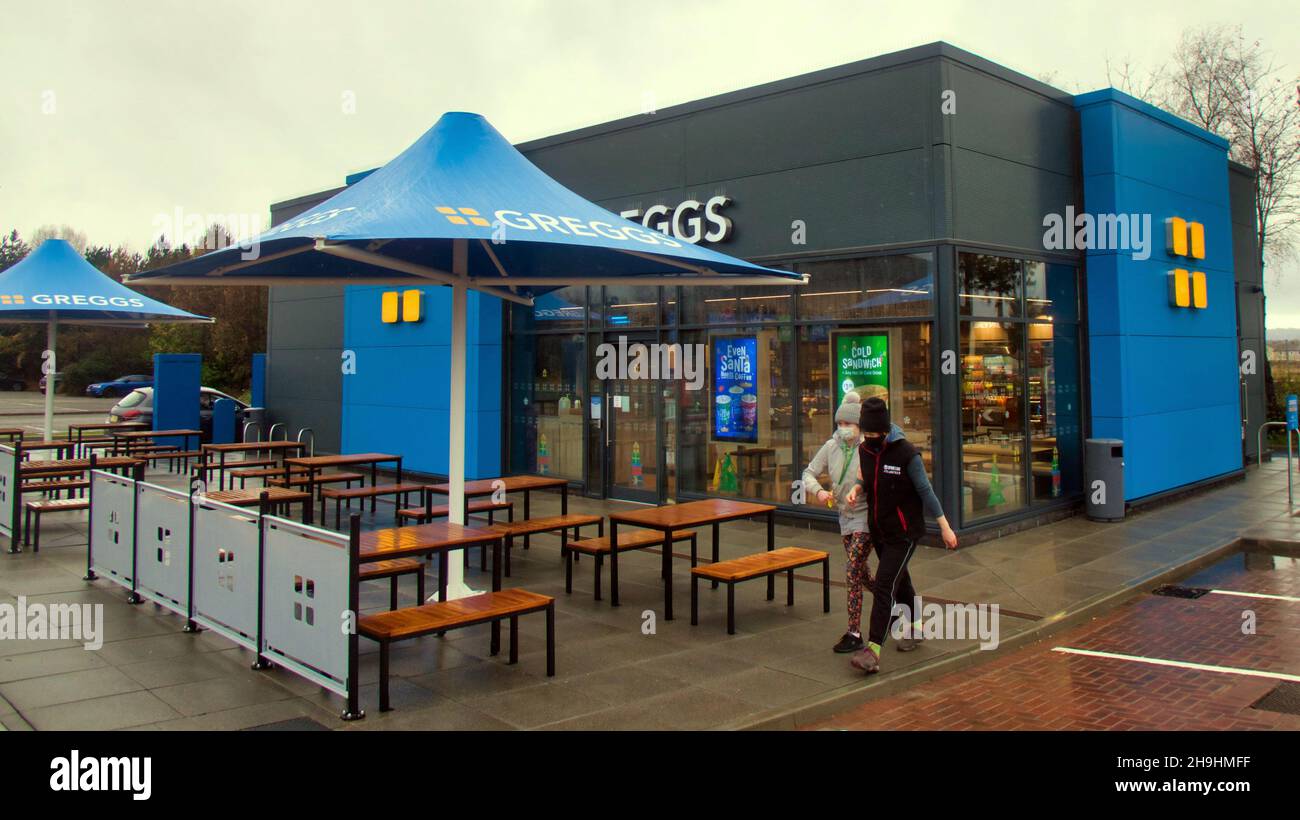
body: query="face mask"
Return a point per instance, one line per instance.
(846, 435)
(874, 444)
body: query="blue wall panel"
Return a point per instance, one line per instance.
(399, 399)
(176, 394)
(1163, 378)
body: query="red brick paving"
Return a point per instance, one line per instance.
(1038, 689)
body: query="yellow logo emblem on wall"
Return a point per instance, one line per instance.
(15, 299)
(463, 216)
(1186, 239)
(410, 301)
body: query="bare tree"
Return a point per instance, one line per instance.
(1130, 79)
(1230, 86)
(74, 237)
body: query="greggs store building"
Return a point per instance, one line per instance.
(1014, 268)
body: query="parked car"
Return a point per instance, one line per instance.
(8, 382)
(118, 387)
(58, 380)
(138, 406)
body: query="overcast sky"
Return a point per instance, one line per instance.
(119, 113)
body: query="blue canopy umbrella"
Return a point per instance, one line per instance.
(56, 285)
(462, 207)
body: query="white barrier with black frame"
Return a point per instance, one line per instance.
(162, 544)
(111, 546)
(286, 591)
(310, 602)
(227, 578)
(11, 494)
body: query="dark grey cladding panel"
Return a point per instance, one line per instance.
(1003, 202)
(1245, 240)
(635, 160)
(297, 373)
(315, 322)
(861, 116)
(1000, 119)
(1245, 258)
(867, 201)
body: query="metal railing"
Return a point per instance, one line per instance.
(1259, 455)
(311, 450)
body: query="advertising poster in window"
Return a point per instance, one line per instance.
(735, 388)
(861, 363)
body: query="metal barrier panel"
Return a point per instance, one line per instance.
(112, 527)
(10, 491)
(305, 601)
(162, 539)
(226, 570)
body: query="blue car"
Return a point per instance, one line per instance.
(118, 387)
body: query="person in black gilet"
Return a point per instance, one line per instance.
(892, 477)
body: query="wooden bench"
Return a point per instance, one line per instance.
(403, 491)
(553, 523)
(489, 607)
(171, 456)
(630, 540)
(38, 508)
(394, 569)
(759, 565)
(422, 515)
(55, 486)
(209, 466)
(264, 473)
(301, 480)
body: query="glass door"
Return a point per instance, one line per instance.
(631, 409)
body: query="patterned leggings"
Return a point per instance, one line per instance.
(857, 546)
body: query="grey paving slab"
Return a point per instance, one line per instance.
(612, 674)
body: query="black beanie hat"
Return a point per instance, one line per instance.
(875, 416)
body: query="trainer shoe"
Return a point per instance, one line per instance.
(866, 660)
(907, 644)
(849, 643)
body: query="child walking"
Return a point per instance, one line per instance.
(838, 458)
(891, 479)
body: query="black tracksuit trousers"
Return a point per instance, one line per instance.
(893, 585)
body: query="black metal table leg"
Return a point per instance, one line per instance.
(771, 545)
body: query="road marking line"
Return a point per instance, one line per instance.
(1293, 599)
(1203, 667)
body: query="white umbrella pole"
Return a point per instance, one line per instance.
(456, 586)
(51, 336)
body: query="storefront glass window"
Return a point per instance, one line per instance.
(868, 288)
(736, 434)
(546, 401)
(989, 285)
(908, 392)
(1054, 429)
(735, 304)
(558, 310)
(1050, 292)
(992, 418)
(631, 306)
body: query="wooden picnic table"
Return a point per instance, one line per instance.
(62, 447)
(37, 469)
(13, 434)
(80, 429)
(525, 484)
(313, 464)
(672, 517)
(436, 538)
(126, 437)
(245, 447)
(275, 496)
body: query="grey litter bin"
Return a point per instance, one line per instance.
(1103, 479)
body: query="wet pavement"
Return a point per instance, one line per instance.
(777, 671)
(1157, 662)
